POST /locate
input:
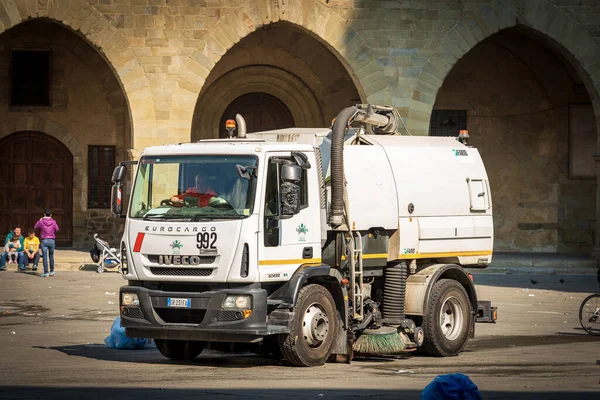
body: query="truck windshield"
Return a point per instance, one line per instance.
(194, 188)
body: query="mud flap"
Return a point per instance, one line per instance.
(342, 344)
(485, 312)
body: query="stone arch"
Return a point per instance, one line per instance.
(288, 88)
(35, 32)
(313, 17)
(90, 24)
(542, 17)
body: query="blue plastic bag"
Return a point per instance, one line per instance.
(118, 340)
(451, 387)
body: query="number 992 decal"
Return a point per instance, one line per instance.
(206, 242)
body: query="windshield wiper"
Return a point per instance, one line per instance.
(200, 218)
(155, 217)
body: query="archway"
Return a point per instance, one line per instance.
(36, 172)
(261, 112)
(84, 107)
(284, 62)
(528, 112)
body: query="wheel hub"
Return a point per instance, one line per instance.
(451, 318)
(315, 325)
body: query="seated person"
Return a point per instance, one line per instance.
(11, 248)
(10, 243)
(32, 249)
(200, 191)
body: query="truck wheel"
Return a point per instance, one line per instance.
(179, 349)
(310, 341)
(446, 325)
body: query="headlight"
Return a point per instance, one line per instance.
(238, 302)
(130, 299)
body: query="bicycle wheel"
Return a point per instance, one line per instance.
(589, 314)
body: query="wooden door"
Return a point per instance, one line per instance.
(36, 172)
(261, 111)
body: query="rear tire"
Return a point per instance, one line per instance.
(589, 314)
(179, 349)
(446, 324)
(312, 333)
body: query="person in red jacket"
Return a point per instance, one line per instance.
(200, 191)
(48, 228)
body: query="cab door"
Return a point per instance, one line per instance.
(286, 244)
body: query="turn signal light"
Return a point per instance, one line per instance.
(247, 313)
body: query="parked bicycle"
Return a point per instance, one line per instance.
(589, 312)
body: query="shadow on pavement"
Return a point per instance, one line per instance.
(584, 284)
(499, 342)
(150, 355)
(91, 393)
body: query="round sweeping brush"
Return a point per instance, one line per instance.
(384, 340)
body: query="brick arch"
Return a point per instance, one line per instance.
(566, 37)
(313, 17)
(90, 24)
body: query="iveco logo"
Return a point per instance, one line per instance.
(179, 260)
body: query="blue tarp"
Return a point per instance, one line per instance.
(118, 340)
(451, 387)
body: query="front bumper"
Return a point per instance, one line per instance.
(204, 320)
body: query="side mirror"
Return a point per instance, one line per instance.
(119, 174)
(116, 199)
(291, 173)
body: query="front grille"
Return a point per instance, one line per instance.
(230, 316)
(184, 316)
(174, 271)
(133, 312)
(153, 258)
(183, 287)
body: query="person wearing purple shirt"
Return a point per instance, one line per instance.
(48, 228)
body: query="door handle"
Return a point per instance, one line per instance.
(307, 252)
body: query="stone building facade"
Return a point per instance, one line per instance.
(522, 75)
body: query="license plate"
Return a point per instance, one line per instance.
(178, 303)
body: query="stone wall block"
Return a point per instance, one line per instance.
(249, 18)
(61, 8)
(82, 14)
(9, 15)
(267, 10)
(32, 8)
(22, 8)
(504, 13)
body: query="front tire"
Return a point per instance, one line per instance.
(179, 349)
(449, 316)
(311, 337)
(589, 314)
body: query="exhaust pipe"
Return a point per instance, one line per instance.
(241, 125)
(338, 132)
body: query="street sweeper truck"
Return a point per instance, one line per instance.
(316, 243)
